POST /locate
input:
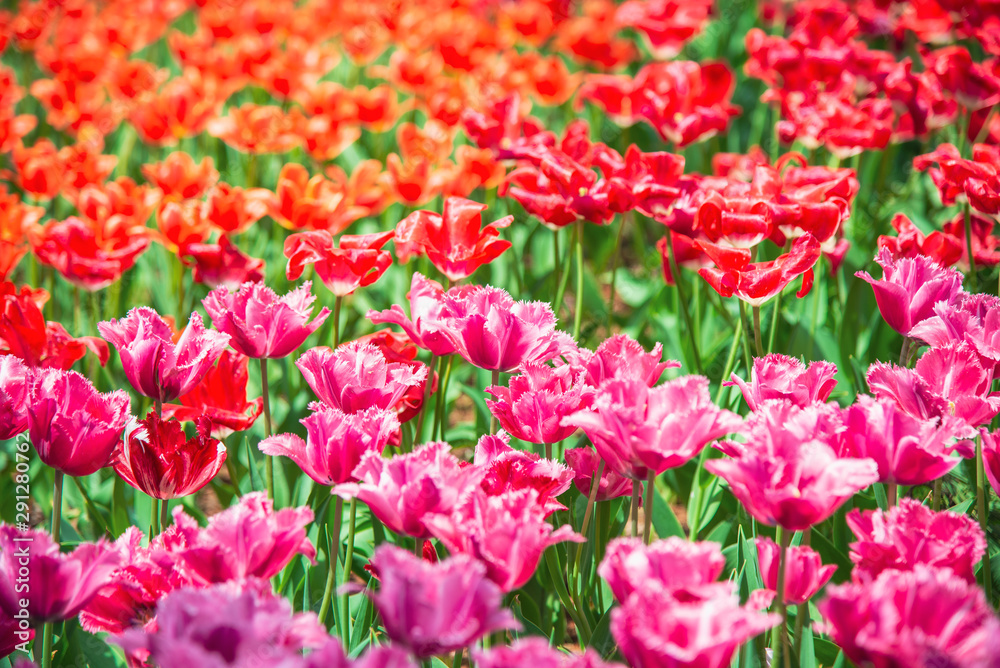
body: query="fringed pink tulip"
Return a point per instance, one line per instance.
(157, 458)
(405, 489)
(74, 428)
(780, 377)
(154, 364)
(228, 625)
(492, 331)
(910, 534)
(507, 469)
(436, 608)
(262, 324)
(907, 390)
(536, 400)
(924, 617)
(427, 325)
(508, 533)
(656, 630)
(56, 586)
(621, 357)
(805, 573)
(13, 397)
(909, 289)
(356, 376)
(687, 570)
(637, 429)
(335, 442)
(954, 373)
(535, 652)
(585, 463)
(991, 457)
(247, 540)
(788, 473)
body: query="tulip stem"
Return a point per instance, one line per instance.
(493, 418)
(595, 484)
(904, 352)
(48, 628)
(548, 450)
(730, 361)
(578, 314)
(268, 459)
(634, 508)
(332, 555)
(892, 490)
(614, 269)
(647, 511)
(756, 332)
(348, 567)
(337, 302)
(164, 514)
(457, 661)
(775, 319)
(936, 500)
(154, 517)
(563, 278)
(802, 611)
(679, 284)
(425, 405)
(556, 266)
(439, 417)
(747, 357)
(779, 641)
(981, 511)
(968, 246)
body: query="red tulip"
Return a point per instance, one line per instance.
(221, 396)
(74, 428)
(178, 175)
(222, 264)
(757, 282)
(157, 458)
(88, 256)
(357, 262)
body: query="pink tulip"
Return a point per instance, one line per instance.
(427, 325)
(13, 397)
(492, 331)
(621, 357)
(508, 533)
(908, 451)
(157, 367)
(74, 428)
(991, 457)
(780, 377)
(535, 652)
(11, 635)
(584, 463)
(507, 469)
(403, 490)
(910, 534)
(637, 429)
(536, 400)
(907, 389)
(225, 626)
(687, 570)
(335, 442)
(356, 377)
(656, 630)
(247, 540)
(805, 573)
(58, 585)
(924, 617)
(436, 608)
(788, 472)
(974, 319)
(156, 457)
(261, 324)
(954, 373)
(909, 289)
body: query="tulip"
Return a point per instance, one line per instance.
(261, 324)
(74, 428)
(179, 175)
(536, 400)
(508, 533)
(622, 357)
(910, 534)
(222, 264)
(14, 382)
(805, 573)
(156, 366)
(88, 256)
(927, 616)
(736, 274)
(335, 443)
(687, 570)
(536, 652)
(61, 584)
(358, 260)
(427, 325)
(991, 457)
(221, 396)
(436, 608)
(585, 464)
(779, 377)
(507, 469)
(157, 458)
(407, 488)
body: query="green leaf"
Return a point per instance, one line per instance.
(664, 520)
(601, 640)
(831, 555)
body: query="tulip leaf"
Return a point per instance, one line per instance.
(831, 555)
(664, 520)
(362, 622)
(826, 652)
(601, 640)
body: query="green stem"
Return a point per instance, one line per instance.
(493, 418)
(564, 277)
(158, 404)
(679, 284)
(968, 246)
(730, 360)
(47, 629)
(578, 314)
(154, 517)
(634, 507)
(747, 357)
(756, 332)
(424, 406)
(936, 501)
(775, 319)
(337, 302)
(556, 574)
(457, 661)
(614, 268)
(268, 459)
(802, 611)
(556, 266)
(595, 484)
(981, 510)
(647, 514)
(439, 416)
(234, 477)
(904, 352)
(333, 554)
(164, 514)
(779, 641)
(348, 567)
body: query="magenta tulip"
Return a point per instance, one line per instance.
(780, 377)
(621, 357)
(535, 652)
(536, 400)
(427, 325)
(13, 397)
(805, 573)
(687, 570)
(505, 469)
(585, 463)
